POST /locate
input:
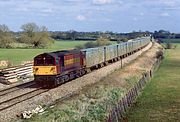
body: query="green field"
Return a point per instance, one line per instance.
(171, 40)
(160, 100)
(17, 55)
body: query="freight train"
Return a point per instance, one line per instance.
(55, 68)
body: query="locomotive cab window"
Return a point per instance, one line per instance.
(44, 61)
(49, 61)
(39, 61)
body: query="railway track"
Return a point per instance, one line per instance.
(16, 88)
(23, 97)
(14, 98)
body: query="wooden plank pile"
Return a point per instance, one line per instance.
(13, 74)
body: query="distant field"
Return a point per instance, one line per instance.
(171, 40)
(160, 100)
(18, 55)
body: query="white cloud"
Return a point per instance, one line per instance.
(30, 6)
(107, 20)
(100, 2)
(22, 9)
(48, 10)
(142, 14)
(170, 3)
(135, 19)
(80, 18)
(163, 4)
(165, 14)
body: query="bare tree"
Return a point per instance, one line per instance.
(102, 41)
(4, 28)
(6, 38)
(30, 27)
(36, 35)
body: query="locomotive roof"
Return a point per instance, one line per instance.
(60, 53)
(63, 52)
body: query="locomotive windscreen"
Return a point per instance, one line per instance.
(44, 61)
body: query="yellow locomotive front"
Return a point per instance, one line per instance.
(45, 68)
(44, 64)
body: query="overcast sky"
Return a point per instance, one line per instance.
(93, 15)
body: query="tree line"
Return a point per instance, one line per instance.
(33, 35)
(91, 44)
(112, 36)
(163, 34)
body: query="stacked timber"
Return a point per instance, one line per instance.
(13, 74)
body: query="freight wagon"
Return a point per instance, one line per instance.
(52, 69)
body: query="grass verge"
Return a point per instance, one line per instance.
(160, 100)
(93, 104)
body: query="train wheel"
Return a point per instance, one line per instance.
(62, 80)
(83, 72)
(88, 70)
(106, 63)
(78, 74)
(101, 65)
(71, 75)
(66, 78)
(96, 66)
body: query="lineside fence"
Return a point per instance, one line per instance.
(117, 114)
(13, 74)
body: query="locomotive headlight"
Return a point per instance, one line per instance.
(36, 69)
(53, 70)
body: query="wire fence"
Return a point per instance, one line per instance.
(117, 114)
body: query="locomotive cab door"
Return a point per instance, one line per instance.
(59, 64)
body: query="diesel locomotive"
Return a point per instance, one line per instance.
(55, 68)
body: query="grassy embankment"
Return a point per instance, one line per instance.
(17, 55)
(160, 100)
(92, 105)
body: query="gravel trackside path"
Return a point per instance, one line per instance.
(66, 89)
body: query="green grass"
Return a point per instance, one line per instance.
(16, 56)
(93, 104)
(160, 100)
(171, 40)
(89, 107)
